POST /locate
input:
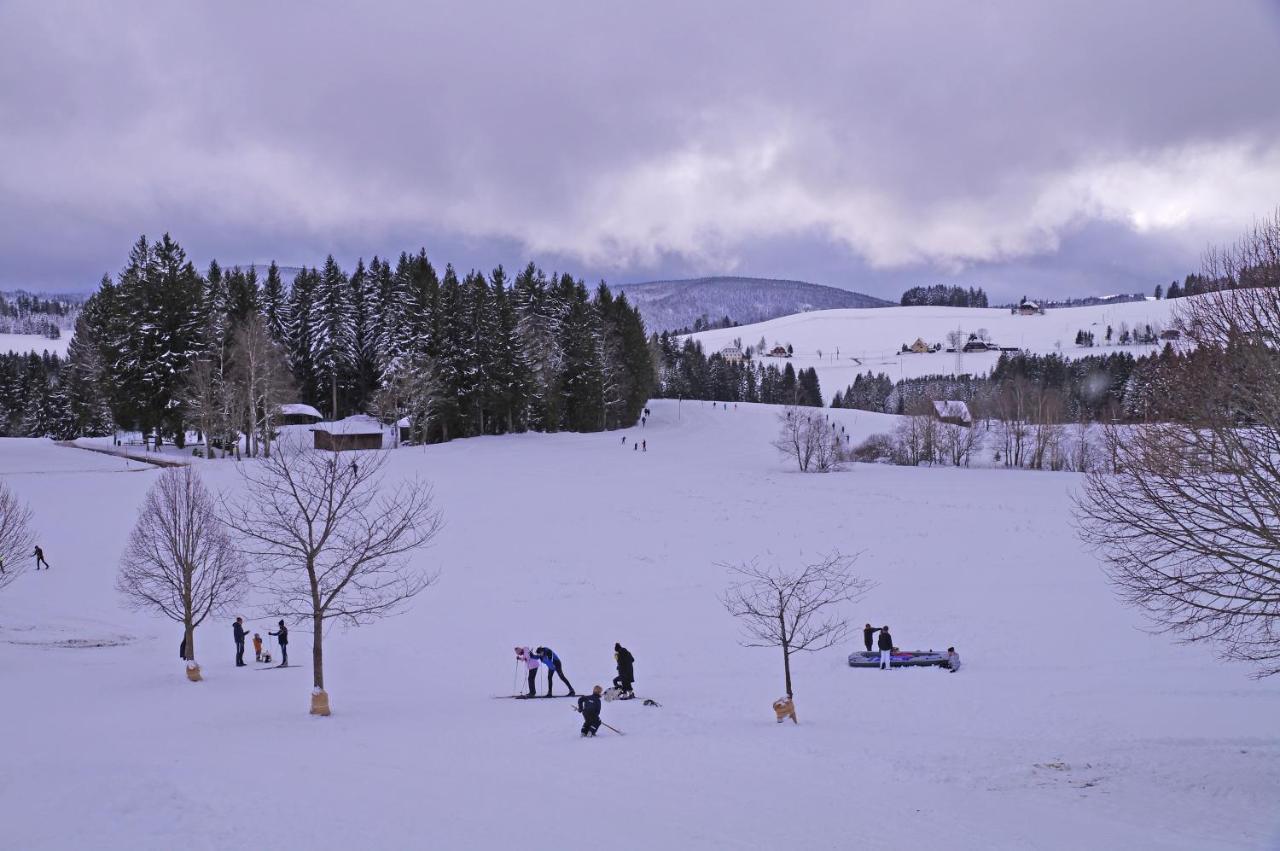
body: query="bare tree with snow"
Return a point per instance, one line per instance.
(333, 540)
(16, 539)
(179, 560)
(795, 610)
(806, 436)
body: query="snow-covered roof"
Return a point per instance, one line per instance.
(403, 422)
(299, 410)
(953, 410)
(351, 425)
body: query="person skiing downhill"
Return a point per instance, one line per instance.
(282, 636)
(626, 670)
(885, 643)
(589, 706)
(238, 633)
(868, 634)
(524, 654)
(39, 554)
(549, 658)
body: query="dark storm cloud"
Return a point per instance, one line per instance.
(1080, 147)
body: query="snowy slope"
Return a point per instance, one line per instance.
(1068, 728)
(871, 339)
(35, 343)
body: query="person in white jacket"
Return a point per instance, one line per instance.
(953, 660)
(523, 654)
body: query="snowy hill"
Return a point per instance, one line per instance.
(669, 305)
(855, 341)
(35, 343)
(1069, 727)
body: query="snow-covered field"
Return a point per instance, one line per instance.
(855, 341)
(35, 343)
(1068, 727)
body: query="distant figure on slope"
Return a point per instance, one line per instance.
(589, 706)
(868, 634)
(237, 632)
(644, 446)
(624, 440)
(549, 658)
(635, 447)
(39, 554)
(257, 647)
(282, 636)
(524, 654)
(626, 671)
(953, 660)
(885, 643)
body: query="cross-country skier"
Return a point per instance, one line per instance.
(868, 633)
(524, 654)
(589, 706)
(549, 658)
(282, 636)
(626, 670)
(953, 660)
(39, 554)
(885, 643)
(237, 632)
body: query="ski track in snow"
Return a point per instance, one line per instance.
(1069, 726)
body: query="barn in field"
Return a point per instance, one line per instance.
(349, 434)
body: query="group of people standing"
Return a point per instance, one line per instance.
(885, 645)
(588, 704)
(238, 633)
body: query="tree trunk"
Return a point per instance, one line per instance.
(786, 666)
(317, 651)
(189, 640)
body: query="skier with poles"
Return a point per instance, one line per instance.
(626, 671)
(282, 638)
(549, 658)
(525, 655)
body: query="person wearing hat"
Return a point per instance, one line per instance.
(626, 671)
(868, 635)
(282, 636)
(237, 632)
(589, 706)
(885, 643)
(524, 654)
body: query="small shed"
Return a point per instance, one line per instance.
(954, 412)
(1029, 308)
(920, 346)
(404, 428)
(299, 414)
(778, 352)
(732, 354)
(348, 434)
(1170, 334)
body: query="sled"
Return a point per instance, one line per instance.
(899, 658)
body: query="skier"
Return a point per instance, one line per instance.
(257, 647)
(635, 447)
(644, 446)
(626, 671)
(39, 554)
(531, 662)
(282, 636)
(885, 643)
(237, 631)
(624, 440)
(868, 632)
(549, 658)
(589, 706)
(953, 660)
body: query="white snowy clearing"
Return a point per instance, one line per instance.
(1068, 726)
(37, 343)
(855, 341)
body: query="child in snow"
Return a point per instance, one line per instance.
(953, 660)
(257, 647)
(589, 706)
(525, 655)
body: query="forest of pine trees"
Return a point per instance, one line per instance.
(941, 295)
(163, 349)
(686, 372)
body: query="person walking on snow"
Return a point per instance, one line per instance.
(885, 643)
(524, 654)
(644, 446)
(589, 706)
(282, 636)
(237, 631)
(626, 670)
(868, 633)
(257, 647)
(39, 554)
(549, 658)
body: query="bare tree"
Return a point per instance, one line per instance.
(260, 382)
(207, 397)
(805, 435)
(16, 540)
(179, 561)
(794, 610)
(1188, 521)
(957, 442)
(333, 542)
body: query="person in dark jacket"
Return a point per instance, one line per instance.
(282, 636)
(589, 706)
(238, 632)
(868, 634)
(39, 554)
(626, 670)
(885, 643)
(551, 661)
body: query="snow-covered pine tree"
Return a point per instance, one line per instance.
(275, 305)
(582, 368)
(332, 346)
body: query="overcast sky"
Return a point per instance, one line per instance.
(1040, 148)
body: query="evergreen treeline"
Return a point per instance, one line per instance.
(167, 349)
(686, 372)
(941, 295)
(24, 313)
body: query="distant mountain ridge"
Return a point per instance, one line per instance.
(668, 305)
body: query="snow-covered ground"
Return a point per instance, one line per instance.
(856, 341)
(35, 343)
(1068, 727)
